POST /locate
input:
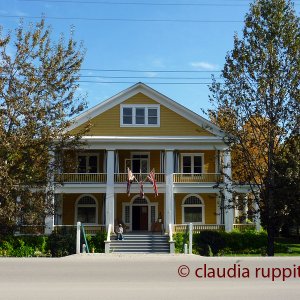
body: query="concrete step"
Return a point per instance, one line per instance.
(141, 243)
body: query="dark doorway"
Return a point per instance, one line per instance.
(139, 217)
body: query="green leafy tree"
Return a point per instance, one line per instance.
(261, 90)
(38, 97)
(287, 184)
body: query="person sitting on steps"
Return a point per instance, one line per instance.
(120, 233)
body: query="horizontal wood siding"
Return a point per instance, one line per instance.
(171, 124)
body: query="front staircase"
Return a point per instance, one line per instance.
(140, 243)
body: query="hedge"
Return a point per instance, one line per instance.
(219, 243)
(55, 245)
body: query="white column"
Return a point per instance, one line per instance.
(110, 189)
(236, 209)
(245, 208)
(218, 209)
(49, 220)
(257, 216)
(229, 211)
(169, 195)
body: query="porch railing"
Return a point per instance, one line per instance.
(181, 228)
(244, 227)
(81, 177)
(30, 230)
(196, 177)
(89, 229)
(122, 177)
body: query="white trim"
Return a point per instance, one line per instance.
(146, 107)
(87, 205)
(153, 94)
(193, 205)
(192, 162)
(131, 204)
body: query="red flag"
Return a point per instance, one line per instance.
(151, 178)
(130, 178)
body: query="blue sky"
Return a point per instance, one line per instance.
(142, 46)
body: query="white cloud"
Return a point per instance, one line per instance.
(203, 65)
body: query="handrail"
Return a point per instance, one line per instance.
(122, 177)
(196, 177)
(171, 232)
(108, 232)
(81, 177)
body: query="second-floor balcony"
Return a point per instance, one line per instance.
(78, 178)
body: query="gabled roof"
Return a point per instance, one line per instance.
(153, 94)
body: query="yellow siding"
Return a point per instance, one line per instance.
(210, 208)
(171, 124)
(69, 208)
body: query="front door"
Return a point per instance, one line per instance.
(139, 217)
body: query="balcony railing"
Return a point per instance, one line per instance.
(122, 177)
(196, 177)
(81, 177)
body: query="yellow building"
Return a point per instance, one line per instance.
(143, 130)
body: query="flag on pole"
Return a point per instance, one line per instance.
(151, 178)
(130, 178)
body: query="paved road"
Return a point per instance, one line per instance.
(145, 277)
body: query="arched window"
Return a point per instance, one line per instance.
(87, 210)
(193, 210)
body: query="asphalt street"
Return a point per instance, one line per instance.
(145, 277)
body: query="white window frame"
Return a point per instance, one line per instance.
(192, 162)
(88, 155)
(193, 205)
(86, 205)
(146, 107)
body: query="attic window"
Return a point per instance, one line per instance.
(137, 115)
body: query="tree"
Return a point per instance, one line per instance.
(287, 185)
(261, 90)
(38, 98)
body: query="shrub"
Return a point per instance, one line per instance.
(97, 242)
(209, 241)
(20, 246)
(62, 243)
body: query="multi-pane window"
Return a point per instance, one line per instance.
(191, 163)
(87, 210)
(193, 210)
(87, 163)
(139, 115)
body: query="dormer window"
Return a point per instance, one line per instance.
(138, 115)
